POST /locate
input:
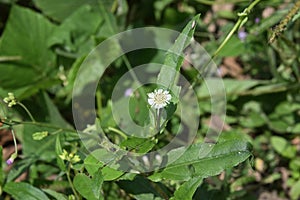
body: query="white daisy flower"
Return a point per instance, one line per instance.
(159, 98)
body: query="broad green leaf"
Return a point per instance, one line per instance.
(60, 10)
(110, 174)
(56, 195)
(92, 165)
(252, 120)
(234, 47)
(83, 184)
(296, 129)
(38, 149)
(25, 35)
(21, 191)
(187, 189)
(295, 190)
(53, 113)
(139, 145)
(74, 34)
(174, 58)
(283, 147)
(286, 108)
(33, 88)
(97, 181)
(206, 160)
(278, 125)
(88, 187)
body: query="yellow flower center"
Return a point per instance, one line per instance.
(160, 98)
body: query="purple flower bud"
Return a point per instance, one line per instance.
(128, 92)
(242, 35)
(10, 161)
(257, 20)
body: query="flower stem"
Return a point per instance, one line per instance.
(118, 132)
(14, 139)
(243, 17)
(158, 120)
(71, 183)
(27, 111)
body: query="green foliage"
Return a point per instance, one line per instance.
(24, 191)
(26, 35)
(89, 188)
(43, 45)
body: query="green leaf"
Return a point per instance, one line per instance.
(26, 191)
(74, 34)
(206, 160)
(97, 182)
(19, 168)
(139, 145)
(83, 185)
(187, 190)
(234, 47)
(87, 187)
(56, 195)
(38, 149)
(295, 190)
(174, 58)
(60, 10)
(233, 87)
(92, 165)
(283, 147)
(59, 151)
(53, 113)
(31, 89)
(25, 35)
(141, 188)
(252, 120)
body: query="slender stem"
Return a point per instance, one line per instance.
(243, 17)
(15, 123)
(27, 111)
(99, 103)
(9, 58)
(118, 132)
(158, 120)
(57, 131)
(71, 183)
(15, 141)
(238, 24)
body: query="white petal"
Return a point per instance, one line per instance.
(168, 97)
(159, 91)
(151, 101)
(151, 95)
